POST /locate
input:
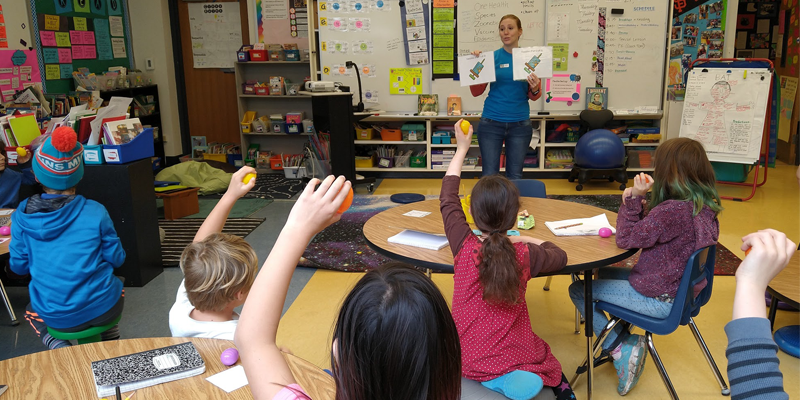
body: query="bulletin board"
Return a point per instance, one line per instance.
(71, 34)
(18, 70)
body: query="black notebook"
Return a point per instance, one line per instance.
(148, 368)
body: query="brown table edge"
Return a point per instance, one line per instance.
(781, 297)
(445, 268)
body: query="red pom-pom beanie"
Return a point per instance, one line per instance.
(58, 162)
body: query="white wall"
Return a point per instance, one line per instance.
(152, 39)
(17, 13)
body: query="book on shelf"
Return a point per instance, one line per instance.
(148, 368)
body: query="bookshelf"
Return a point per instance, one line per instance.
(153, 119)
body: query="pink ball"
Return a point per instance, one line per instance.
(5, 230)
(604, 232)
(229, 356)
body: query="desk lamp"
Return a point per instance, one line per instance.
(360, 106)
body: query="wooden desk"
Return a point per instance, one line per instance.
(67, 373)
(785, 287)
(584, 253)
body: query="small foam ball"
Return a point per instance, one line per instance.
(21, 151)
(64, 139)
(599, 149)
(248, 177)
(347, 202)
(604, 232)
(229, 356)
(5, 230)
(465, 127)
(747, 252)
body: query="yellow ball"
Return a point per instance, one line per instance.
(248, 177)
(21, 151)
(465, 127)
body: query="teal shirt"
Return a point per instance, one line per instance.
(508, 99)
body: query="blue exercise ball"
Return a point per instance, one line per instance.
(599, 149)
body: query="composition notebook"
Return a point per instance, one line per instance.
(419, 239)
(580, 226)
(148, 368)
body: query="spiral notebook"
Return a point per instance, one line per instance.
(419, 239)
(148, 368)
(580, 226)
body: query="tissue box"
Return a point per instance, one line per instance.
(525, 220)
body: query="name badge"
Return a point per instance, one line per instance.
(503, 65)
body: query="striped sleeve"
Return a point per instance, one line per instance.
(752, 361)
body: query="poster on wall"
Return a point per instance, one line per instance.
(444, 39)
(298, 18)
(270, 10)
(18, 70)
(405, 81)
(757, 29)
(414, 17)
(216, 34)
(698, 31)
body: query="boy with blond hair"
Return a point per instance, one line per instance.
(218, 269)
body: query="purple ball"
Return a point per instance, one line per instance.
(5, 230)
(229, 356)
(604, 232)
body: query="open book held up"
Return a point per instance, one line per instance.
(580, 226)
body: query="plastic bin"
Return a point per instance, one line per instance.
(385, 162)
(232, 158)
(294, 128)
(93, 154)
(391, 135)
(728, 172)
(364, 134)
(243, 55)
(365, 162)
(258, 55)
(277, 126)
(402, 161)
(140, 147)
(215, 157)
(276, 163)
(418, 162)
(413, 132)
(294, 172)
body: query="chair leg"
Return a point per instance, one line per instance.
(597, 346)
(660, 366)
(546, 287)
(14, 321)
(699, 338)
(577, 321)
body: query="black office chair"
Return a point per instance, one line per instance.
(590, 120)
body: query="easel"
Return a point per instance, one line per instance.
(764, 153)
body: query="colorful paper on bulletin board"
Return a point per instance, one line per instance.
(80, 23)
(24, 63)
(98, 7)
(103, 39)
(52, 22)
(443, 40)
(114, 7)
(699, 30)
(63, 6)
(82, 6)
(52, 72)
(788, 87)
(51, 55)
(48, 38)
(415, 14)
(560, 56)
(62, 39)
(66, 71)
(563, 87)
(405, 81)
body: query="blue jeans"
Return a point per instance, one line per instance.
(516, 135)
(613, 287)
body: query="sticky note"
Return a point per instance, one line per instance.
(82, 6)
(80, 23)
(52, 72)
(66, 71)
(76, 37)
(62, 39)
(89, 52)
(50, 55)
(77, 52)
(88, 37)
(51, 22)
(64, 56)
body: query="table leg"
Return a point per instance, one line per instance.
(588, 329)
(773, 310)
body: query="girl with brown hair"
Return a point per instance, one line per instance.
(682, 219)
(498, 347)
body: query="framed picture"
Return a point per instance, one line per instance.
(596, 98)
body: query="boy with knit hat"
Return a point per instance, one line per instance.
(69, 247)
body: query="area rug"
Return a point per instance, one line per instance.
(242, 208)
(271, 186)
(342, 246)
(179, 234)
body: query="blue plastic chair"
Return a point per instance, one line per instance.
(686, 306)
(530, 188)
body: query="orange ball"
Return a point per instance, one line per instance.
(248, 177)
(348, 201)
(465, 127)
(746, 252)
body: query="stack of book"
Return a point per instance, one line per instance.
(18, 130)
(121, 131)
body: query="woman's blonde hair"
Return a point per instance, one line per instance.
(216, 269)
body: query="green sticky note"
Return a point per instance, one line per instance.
(443, 41)
(62, 39)
(80, 23)
(560, 56)
(442, 67)
(443, 53)
(52, 72)
(443, 14)
(443, 27)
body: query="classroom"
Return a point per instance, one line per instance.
(399, 199)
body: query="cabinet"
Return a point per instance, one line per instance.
(153, 119)
(541, 122)
(264, 105)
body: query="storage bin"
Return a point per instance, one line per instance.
(294, 128)
(364, 134)
(294, 172)
(276, 55)
(262, 90)
(365, 162)
(402, 161)
(232, 158)
(391, 135)
(277, 126)
(140, 147)
(247, 122)
(243, 55)
(418, 162)
(249, 88)
(215, 157)
(92, 154)
(276, 163)
(250, 162)
(413, 132)
(308, 126)
(641, 157)
(385, 162)
(728, 172)
(258, 55)
(292, 55)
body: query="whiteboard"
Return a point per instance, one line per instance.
(631, 50)
(725, 109)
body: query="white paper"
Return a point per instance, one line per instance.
(117, 107)
(418, 58)
(587, 227)
(527, 60)
(230, 379)
(558, 28)
(3, 240)
(360, 24)
(8, 212)
(476, 70)
(216, 36)
(415, 33)
(370, 96)
(118, 45)
(274, 9)
(363, 47)
(417, 46)
(417, 213)
(115, 26)
(413, 6)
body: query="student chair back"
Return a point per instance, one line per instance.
(595, 119)
(530, 188)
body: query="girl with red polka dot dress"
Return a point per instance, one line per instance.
(498, 347)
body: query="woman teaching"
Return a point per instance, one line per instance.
(506, 112)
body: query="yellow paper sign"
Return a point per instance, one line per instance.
(326, 70)
(51, 22)
(52, 72)
(405, 81)
(80, 24)
(323, 21)
(323, 6)
(62, 39)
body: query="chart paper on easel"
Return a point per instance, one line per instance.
(725, 110)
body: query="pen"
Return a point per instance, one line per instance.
(569, 226)
(119, 395)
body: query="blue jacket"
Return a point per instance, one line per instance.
(71, 253)
(10, 181)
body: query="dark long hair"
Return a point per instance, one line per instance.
(395, 339)
(683, 172)
(494, 205)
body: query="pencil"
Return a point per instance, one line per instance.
(119, 395)
(569, 226)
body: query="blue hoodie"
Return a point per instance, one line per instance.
(70, 253)
(10, 181)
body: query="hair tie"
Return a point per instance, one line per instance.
(494, 231)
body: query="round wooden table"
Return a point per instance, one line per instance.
(785, 287)
(67, 373)
(584, 253)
